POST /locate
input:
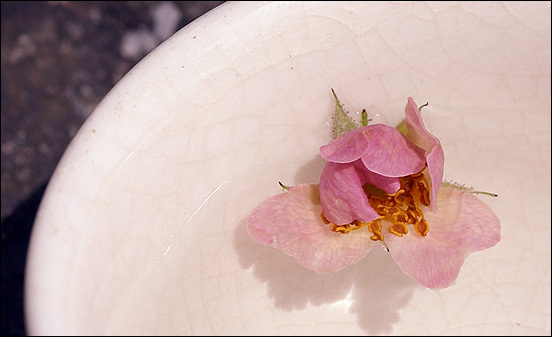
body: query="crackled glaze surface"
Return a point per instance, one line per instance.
(142, 229)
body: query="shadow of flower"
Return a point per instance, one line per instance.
(375, 285)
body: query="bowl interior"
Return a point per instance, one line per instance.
(142, 227)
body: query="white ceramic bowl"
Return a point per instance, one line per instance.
(142, 227)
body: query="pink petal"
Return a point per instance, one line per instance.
(433, 266)
(346, 148)
(342, 197)
(418, 134)
(435, 166)
(388, 184)
(383, 149)
(290, 221)
(464, 219)
(463, 225)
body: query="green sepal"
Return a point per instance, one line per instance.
(342, 122)
(402, 127)
(467, 189)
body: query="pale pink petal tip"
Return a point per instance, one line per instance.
(464, 224)
(291, 222)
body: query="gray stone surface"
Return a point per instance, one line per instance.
(59, 59)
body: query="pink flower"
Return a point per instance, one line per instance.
(379, 155)
(390, 183)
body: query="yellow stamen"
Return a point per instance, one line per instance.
(424, 194)
(375, 228)
(422, 227)
(400, 208)
(399, 229)
(353, 226)
(399, 196)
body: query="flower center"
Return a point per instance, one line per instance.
(400, 208)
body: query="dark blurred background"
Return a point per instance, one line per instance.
(59, 59)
